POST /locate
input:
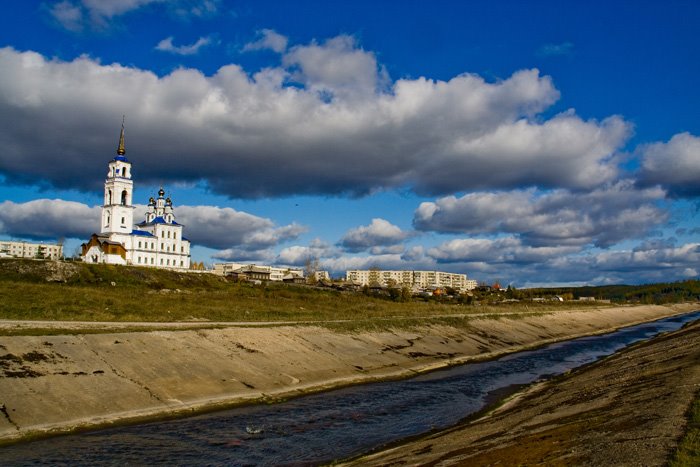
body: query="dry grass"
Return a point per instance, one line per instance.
(688, 452)
(152, 295)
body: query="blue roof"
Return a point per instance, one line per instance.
(142, 233)
(121, 158)
(158, 220)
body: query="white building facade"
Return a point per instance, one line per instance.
(19, 249)
(415, 279)
(155, 242)
(277, 273)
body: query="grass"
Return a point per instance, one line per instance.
(688, 451)
(124, 294)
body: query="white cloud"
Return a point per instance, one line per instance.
(379, 232)
(298, 255)
(674, 165)
(221, 228)
(48, 219)
(337, 68)
(253, 136)
(78, 15)
(265, 256)
(209, 226)
(493, 251)
(269, 39)
(68, 15)
(96, 14)
(166, 45)
(601, 217)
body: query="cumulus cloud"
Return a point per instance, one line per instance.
(209, 226)
(501, 250)
(48, 219)
(253, 136)
(336, 68)
(268, 39)
(68, 15)
(245, 255)
(509, 261)
(342, 263)
(79, 15)
(647, 263)
(166, 45)
(379, 233)
(601, 217)
(298, 255)
(223, 228)
(674, 165)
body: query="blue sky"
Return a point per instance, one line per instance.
(533, 143)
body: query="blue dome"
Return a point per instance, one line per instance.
(121, 158)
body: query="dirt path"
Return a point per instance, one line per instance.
(625, 410)
(58, 383)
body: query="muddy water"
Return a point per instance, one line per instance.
(334, 425)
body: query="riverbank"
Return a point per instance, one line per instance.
(628, 409)
(59, 383)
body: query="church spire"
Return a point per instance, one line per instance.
(121, 150)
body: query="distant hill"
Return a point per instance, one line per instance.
(669, 292)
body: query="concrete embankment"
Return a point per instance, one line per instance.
(59, 383)
(628, 409)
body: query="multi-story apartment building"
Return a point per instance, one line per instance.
(414, 279)
(19, 249)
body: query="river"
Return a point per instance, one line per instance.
(320, 428)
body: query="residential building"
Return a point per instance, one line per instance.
(20, 249)
(419, 280)
(275, 273)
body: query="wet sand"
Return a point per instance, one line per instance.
(628, 409)
(59, 383)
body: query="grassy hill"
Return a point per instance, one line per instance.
(75, 291)
(51, 290)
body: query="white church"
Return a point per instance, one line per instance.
(155, 242)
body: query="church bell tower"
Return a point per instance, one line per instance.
(118, 211)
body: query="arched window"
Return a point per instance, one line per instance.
(110, 197)
(124, 194)
(125, 172)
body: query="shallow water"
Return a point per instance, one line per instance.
(324, 427)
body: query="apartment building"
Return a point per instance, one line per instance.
(19, 249)
(414, 279)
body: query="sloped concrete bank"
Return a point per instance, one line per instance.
(60, 383)
(627, 409)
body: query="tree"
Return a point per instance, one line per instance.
(310, 268)
(374, 277)
(406, 293)
(41, 252)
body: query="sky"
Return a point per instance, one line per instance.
(537, 143)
